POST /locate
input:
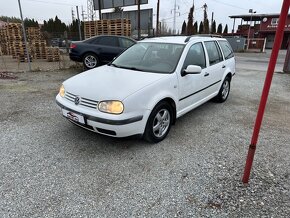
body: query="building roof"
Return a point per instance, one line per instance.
(255, 17)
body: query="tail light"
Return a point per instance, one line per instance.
(72, 45)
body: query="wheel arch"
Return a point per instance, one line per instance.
(172, 104)
(90, 52)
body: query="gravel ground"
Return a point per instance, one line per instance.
(51, 168)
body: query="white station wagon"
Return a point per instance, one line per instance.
(151, 84)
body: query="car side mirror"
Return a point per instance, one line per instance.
(191, 69)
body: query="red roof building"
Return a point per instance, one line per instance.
(262, 26)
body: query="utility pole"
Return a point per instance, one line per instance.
(80, 33)
(25, 39)
(83, 14)
(249, 31)
(157, 19)
(174, 17)
(72, 14)
(211, 22)
(100, 10)
(139, 22)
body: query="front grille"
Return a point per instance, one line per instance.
(83, 101)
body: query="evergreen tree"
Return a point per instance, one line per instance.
(226, 29)
(10, 19)
(190, 29)
(183, 29)
(213, 27)
(200, 27)
(220, 29)
(195, 27)
(206, 27)
(30, 23)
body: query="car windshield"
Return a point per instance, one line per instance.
(150, 57)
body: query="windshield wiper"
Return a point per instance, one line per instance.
(115, 65)
(133, 68)
(124, 67)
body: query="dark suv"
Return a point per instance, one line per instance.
(99, 50)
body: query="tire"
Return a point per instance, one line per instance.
(159, 123)
(224, 91)
(90, 61)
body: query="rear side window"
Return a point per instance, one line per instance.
(227, 49)
(125, 43)
(108, 41)
(214, 53)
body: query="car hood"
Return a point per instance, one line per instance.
(110, 83)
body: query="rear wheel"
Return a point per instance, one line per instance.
(159, 123)
(224, 90)
(90, 61)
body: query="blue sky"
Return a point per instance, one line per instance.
(45, 9)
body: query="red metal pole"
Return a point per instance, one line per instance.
(266, 89)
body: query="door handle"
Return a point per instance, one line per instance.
(206, 74)
(224, 66)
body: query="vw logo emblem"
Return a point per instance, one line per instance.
(77, 100)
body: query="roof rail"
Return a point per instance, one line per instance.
(202, 35)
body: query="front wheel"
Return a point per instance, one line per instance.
(159, 123)
(90, 61)
(224, 90)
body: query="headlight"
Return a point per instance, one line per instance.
(62, 91)
(112, 107)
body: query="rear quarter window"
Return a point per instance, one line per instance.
(227, 49)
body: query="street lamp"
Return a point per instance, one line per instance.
(248, 39)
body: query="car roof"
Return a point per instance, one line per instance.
(181, 39)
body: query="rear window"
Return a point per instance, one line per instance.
(227, 49)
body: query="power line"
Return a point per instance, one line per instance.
(230, 5)
(53, 3)
(168, 18)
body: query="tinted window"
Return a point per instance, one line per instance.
(108, 40)
(227, 49)
(125, 43)
(214, 54)
(195, 56)
(92, 40)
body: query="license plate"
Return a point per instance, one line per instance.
(73, 116)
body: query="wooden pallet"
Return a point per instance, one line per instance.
(107, 27)
(53, 54)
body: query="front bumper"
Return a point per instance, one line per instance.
(121, 127)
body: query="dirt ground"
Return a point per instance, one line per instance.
(8, 64)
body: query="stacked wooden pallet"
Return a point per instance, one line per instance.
(12, 43)
(107, 27)
(33, 33)
(90, 29)
(119, 27)
(53, 54)
(38, 48)
(15, 40)
(4, 47)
